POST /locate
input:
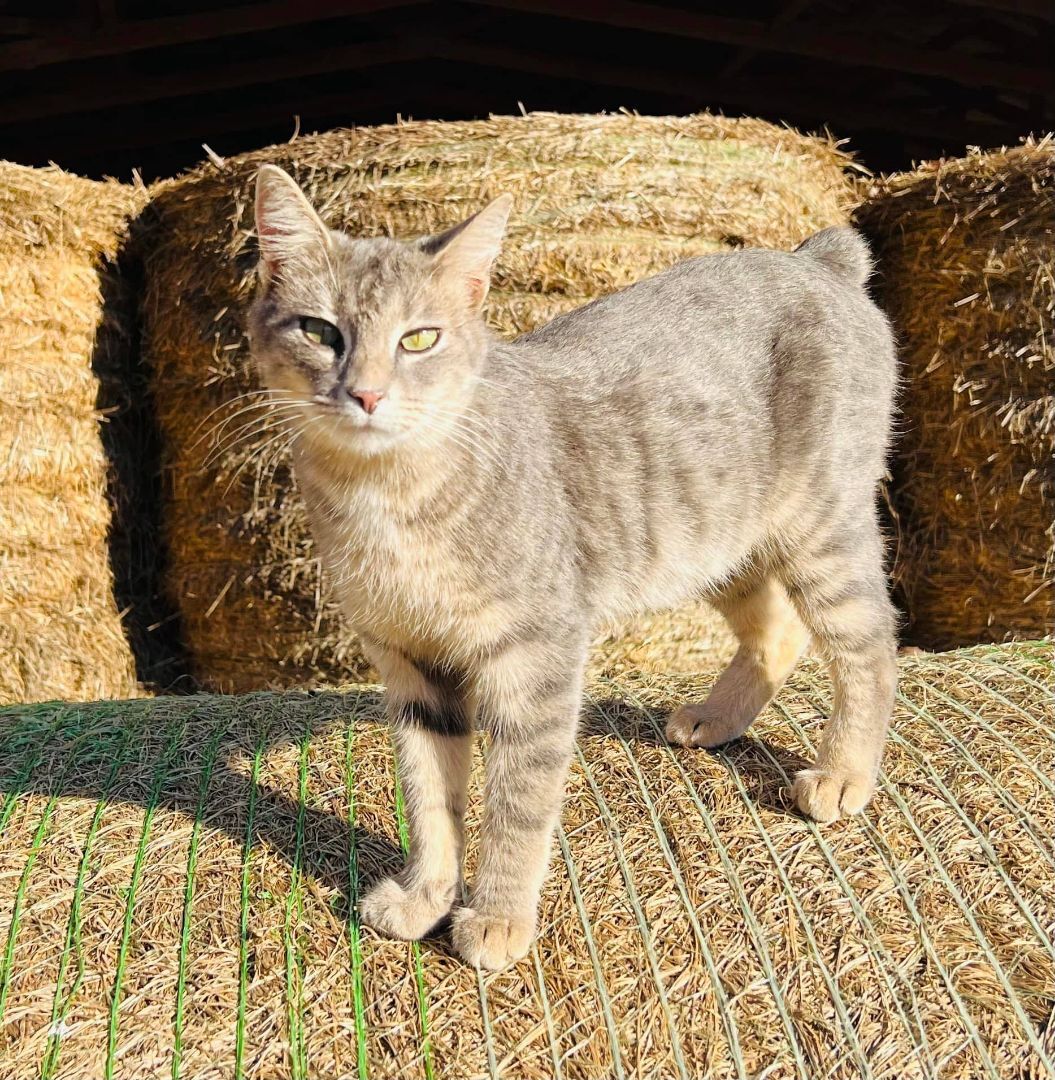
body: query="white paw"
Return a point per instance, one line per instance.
(696, 725)
(825, 795)
(491, 941)
(397, 912)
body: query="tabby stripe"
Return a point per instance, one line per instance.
(448, 718)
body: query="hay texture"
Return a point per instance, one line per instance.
(967, 258)
(60, 631)
(175, 877)
(601, 201)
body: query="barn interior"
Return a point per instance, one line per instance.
(105, 87)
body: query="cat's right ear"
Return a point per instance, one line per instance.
(287, 227)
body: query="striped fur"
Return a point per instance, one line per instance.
(717, 430)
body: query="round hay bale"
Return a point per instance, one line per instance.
(177, 877)
(601, 201)
(967, 259)
(693, 637)
(60, 630)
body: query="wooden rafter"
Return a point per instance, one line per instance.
(26, 26)
(344, 108)
(791, 39)
(787, 13)
(698, 93)
(691, 88)
(117, 38)
(935, 88)
(228, 76)
(1037, 9)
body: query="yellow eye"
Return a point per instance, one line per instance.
(419, 340)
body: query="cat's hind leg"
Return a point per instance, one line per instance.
(840, 590)
(772, 638)
(432, 735)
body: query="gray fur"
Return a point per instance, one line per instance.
(718, 430)
(841, 250)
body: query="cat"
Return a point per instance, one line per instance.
(717, 430)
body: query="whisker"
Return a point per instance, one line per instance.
(470, 441)
(479, 379)
(471, 425)
(267, 394)
(262, 422)
(256, 454)
(270, 403)
(245, 437)
(272, 464)
(219, 440)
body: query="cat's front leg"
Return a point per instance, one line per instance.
(432, 735)
(531, 708)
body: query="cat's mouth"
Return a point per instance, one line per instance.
(354, 429)
(349, 416)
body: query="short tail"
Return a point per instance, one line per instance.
(842, 250)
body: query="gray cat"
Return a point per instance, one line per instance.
(481, 506)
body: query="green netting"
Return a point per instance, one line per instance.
(177, 884)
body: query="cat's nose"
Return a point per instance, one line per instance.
(368, 398)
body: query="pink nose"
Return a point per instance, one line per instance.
(368, 398)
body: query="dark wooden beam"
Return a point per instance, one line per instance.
(106, 11)
(116, 38)
(345, 109)
(788, 12)
(1012, 116)
(1036, 9)
(28, 26)
(797, 41)
(697, 93)
(92, 97)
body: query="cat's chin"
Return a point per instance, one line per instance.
(342, 435)
(371, 443)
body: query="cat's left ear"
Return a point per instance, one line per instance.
(287, 227)
(468, 251)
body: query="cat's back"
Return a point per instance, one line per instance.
(720, 317)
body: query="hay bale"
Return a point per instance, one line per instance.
(60, 630)
(175, 878)
(601, 202)
(967, 257)
(693, 637)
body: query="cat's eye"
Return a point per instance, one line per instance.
(418, 341)
(321, 332)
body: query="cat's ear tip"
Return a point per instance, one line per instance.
(269, 174)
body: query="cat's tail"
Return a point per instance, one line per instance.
(843, 250)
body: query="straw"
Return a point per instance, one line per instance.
(601, 201)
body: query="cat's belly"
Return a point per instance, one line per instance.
(660, 586)
(681, 561)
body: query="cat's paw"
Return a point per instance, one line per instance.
(399, 912)
(696, 725)
(827, 794)
(491, 941)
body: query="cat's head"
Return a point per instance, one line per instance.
(376, 342)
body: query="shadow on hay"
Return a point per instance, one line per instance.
(131, 440)
(115, 752)
(764, 767)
